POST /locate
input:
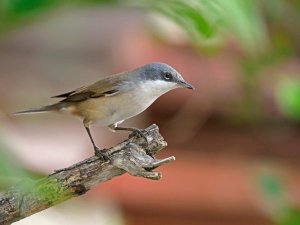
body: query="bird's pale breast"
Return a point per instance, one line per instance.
(109, 110)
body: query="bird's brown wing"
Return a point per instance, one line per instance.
(106, 87)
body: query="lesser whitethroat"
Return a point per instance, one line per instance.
(118, 97)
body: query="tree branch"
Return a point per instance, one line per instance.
(128, 156)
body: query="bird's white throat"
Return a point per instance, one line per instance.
(156, 88)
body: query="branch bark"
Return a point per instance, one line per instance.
(129, 156)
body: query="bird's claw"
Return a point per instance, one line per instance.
(101, 154)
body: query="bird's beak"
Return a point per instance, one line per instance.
(186, 85)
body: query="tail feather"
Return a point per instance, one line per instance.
(40, 109)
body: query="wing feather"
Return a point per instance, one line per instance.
(64, 95)
(106, 87)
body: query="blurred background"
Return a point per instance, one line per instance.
(236, 138)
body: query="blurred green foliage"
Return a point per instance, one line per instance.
(291, 216)
(256, 25)
(288, 98)
(266, 33)
(13, 174)
(11, 171)
(205, 19)
(15, 13)
(281, 211)
(271, 186)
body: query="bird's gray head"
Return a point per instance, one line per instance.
(162, 76)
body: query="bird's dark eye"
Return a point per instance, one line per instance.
(167, 76)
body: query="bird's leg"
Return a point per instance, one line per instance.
(98, 152)
(134, 130)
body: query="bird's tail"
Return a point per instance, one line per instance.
(47, 108)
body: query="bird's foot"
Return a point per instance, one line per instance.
(101, 154)
(139, 133)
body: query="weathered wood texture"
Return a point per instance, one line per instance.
(128, 156)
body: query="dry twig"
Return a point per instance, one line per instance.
(128, 156)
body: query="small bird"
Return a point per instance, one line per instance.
(118, 97)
